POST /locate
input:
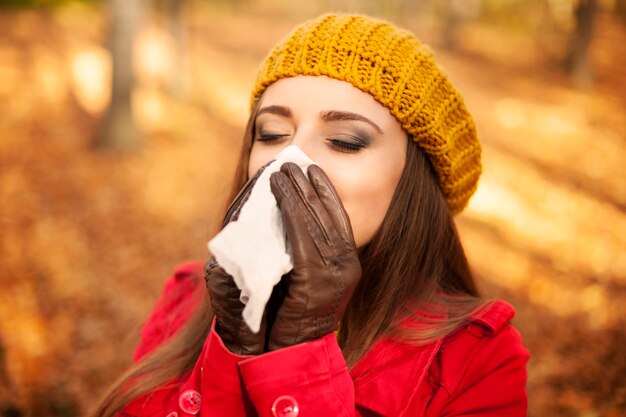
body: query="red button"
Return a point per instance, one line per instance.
(189, 401)
(285, 406)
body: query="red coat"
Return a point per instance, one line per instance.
(480, 370)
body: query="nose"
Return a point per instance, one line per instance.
(307, 143)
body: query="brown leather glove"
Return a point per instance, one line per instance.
(326, 264)
(224, 294)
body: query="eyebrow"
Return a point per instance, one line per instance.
(335, 115)
(277, 110)
(326, 116)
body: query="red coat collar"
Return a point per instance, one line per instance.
(382, 376)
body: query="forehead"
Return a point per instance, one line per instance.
(320, 93)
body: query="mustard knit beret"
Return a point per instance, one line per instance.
(401, 74)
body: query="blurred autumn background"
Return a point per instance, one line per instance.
(119, 128)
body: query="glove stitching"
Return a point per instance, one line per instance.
(340, 286)
(211, 263)
(207, 276)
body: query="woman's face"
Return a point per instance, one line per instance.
(352, 137)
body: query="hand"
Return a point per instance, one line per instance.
(233, 331)
(224, 294)
(326, 265)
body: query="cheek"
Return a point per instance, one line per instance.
(259, 156)
(366, 198)
(255, 162)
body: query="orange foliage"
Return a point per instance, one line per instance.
(88, 238)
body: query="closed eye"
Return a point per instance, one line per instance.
(352, 146)
(271, 137)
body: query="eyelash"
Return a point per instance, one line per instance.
(346, 147)
(339, 145)
(270, 138)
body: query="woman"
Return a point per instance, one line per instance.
(375, 251)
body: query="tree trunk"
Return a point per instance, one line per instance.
(450, 25)
(177, 78)
(578, 61)
(620, 9)
(118, 130)
(8, 407)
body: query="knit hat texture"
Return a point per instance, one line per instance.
(400, 73)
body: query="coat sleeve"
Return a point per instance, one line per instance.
(213, 386)
(212, 389)
(311, 377)
(305, 380)
(494, 382)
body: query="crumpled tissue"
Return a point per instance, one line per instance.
(253, 249)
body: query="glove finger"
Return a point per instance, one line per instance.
(232, 213)
(311, 201)
(329, 198)
(221, 285)
(224, 297)
(303, 230)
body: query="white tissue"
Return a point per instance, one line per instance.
(253, 248)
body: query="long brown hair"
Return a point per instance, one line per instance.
(415, 262)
